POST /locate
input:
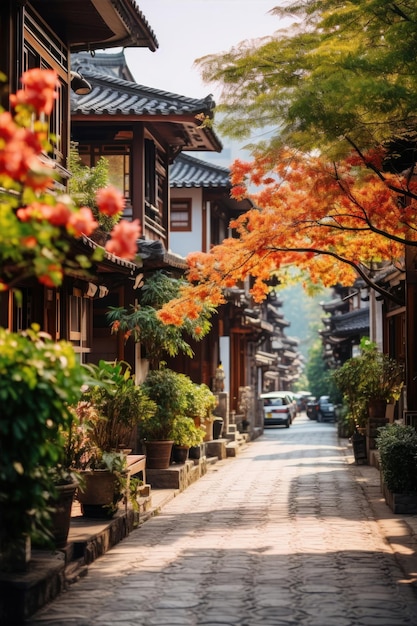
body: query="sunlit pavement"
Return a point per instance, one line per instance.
(284, 534)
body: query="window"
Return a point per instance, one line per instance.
(180, 215)
(42, 49)
(150, 172)
(118, 158)
(80, 321)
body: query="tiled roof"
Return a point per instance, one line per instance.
(350, 323)
(111, 64)
(333, 305)
(187, 171)
(113, 95)
(125, 100)
(110, 258)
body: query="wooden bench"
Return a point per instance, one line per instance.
(137, 463)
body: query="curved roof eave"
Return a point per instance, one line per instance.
(118, 99)
(98, 24)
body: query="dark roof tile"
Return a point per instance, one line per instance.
(187, 171)
(351, 323)
(111, 94)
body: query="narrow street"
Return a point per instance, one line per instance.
(281, 535)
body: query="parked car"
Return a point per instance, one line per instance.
(278, 409)
(326, 411)
(312, 408)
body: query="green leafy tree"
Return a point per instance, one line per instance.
(84, 184)
(317, 372)
(142, 322)
(342, 70)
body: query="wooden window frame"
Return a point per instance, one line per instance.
(185, 208)
(80, 321)
(42, 49)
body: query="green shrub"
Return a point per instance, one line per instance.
(186, 433)
(39, 379)
(397, 447)
(168, 390)
(119, 403)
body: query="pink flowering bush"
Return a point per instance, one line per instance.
(37, 227)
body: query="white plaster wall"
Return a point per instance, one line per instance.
(184, 242)
(375, 319)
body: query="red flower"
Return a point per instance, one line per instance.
(110, 201)
(58, 215)
(40, 90)
(7, 126)
(81, 222)
(54, 276)
(17, 157)
(124, 236)
(115, 326)
(29, 242)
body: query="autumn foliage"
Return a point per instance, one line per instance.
(331, 221)
(37, 223)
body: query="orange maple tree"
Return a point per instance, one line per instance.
(334, 222)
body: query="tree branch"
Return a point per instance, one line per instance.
(362, 273)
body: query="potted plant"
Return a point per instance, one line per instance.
(105, 482)
(168, 390)
(110, 408)
(397, 446)
(382, 378)
(200, 404)
(185, 435)
(66, 478)
(119, 403)
(39, 380)
(369, 380)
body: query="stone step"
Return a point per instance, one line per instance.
(217, 448)
(234, 447)
(177, 476)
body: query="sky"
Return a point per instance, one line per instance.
(189, 29)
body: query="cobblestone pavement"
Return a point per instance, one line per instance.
(280, 535)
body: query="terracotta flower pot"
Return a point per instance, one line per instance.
(158, 454)
(100, 493)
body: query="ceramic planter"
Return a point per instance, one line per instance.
(158, 454)
(180, 453)
(100, 493)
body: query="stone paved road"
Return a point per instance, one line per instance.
(279, 536)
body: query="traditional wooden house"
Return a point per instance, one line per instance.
(201, 210)
(140, 131)
(346, 322)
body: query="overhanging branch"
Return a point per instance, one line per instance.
(359, 270)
